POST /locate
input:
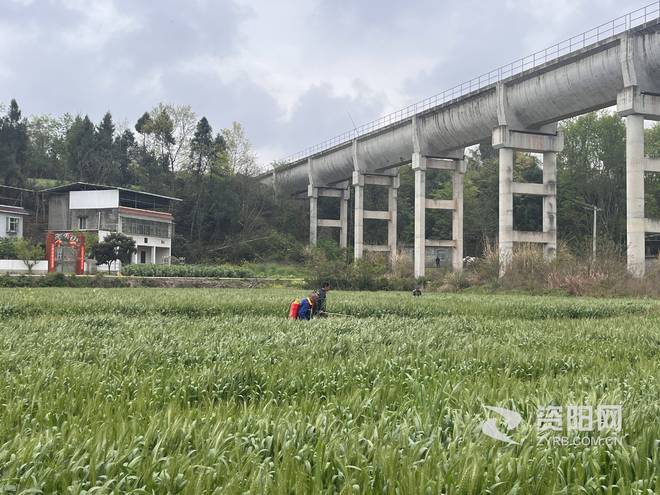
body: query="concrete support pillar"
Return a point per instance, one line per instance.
(419, 168)
(457, 215)
(635, 194)
(550, 204)
(392, 197)
(343, 218)
(153, 255)
(340, 192)
(505, 238)
(312, 193)
(358, 232)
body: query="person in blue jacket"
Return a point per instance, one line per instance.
(307, 307)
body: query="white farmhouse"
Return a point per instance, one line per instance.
(12, 213)
(145, 217)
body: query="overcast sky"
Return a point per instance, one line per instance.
(290, 71)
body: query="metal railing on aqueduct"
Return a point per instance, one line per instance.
(615, 26)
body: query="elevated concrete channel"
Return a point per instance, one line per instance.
(518, 107)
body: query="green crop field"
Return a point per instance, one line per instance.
(214, 391)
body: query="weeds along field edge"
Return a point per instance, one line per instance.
(274, 302)
(234, 403)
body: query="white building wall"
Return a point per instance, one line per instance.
(160, 245)
(158, 249)
(3, 225)
(90, 200)
(18, 266)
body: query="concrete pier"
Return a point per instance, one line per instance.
(455, 164)
(392, 196)
(358, 215)
(419, 169)
(637, 101)
(550, 204)
(544, 140)
(391, 181)
(313, 195)
(341, 192)
(457, 215)
(343, 218)
(635, 194)
(505, 224)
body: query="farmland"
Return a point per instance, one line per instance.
(196, 391)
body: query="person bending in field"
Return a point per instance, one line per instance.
(307, 307)
(321, 299)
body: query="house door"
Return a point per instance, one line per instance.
(143, 257)
(65, 259)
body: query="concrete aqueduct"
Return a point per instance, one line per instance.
(518, 107)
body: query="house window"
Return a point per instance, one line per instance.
(12, 225)
(82, 223)
(151, 228)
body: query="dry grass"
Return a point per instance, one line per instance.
(571, 273)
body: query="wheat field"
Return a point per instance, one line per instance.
(214, 391)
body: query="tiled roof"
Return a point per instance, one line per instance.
(16, 210)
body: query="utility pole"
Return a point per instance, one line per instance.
(594, 232)
(593, 241)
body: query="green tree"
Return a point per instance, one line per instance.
(592, 170)
(124, 151)
(13, 146)
(105, 163)
(81, 150)
(220, 165)
(652, 182)
(162, 129)
(143, 127)
(202, 148)
(115, 247)
(46, 147)
(29, 253)
(241, 158)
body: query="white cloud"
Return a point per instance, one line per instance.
(101, 23)
(289, 71)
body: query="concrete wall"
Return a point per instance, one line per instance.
(58, 212)
(18, 266)
(386, 150)
(331, 168)
(292, 179)
(62, 217)
(115, 267)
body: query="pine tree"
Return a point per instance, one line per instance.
(202, 149)
(13, 146)
(106, 168)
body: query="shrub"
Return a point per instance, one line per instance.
(8, 249)
(456, 281)
(369, 273)
(61, 280)
(212, 271)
